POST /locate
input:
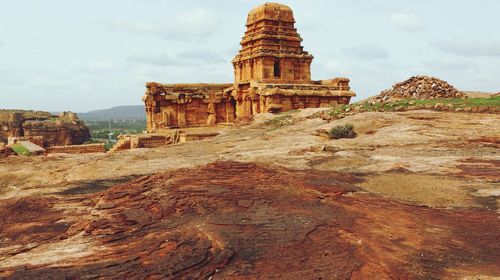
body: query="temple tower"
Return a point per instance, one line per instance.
(272, 73)
(271, 48)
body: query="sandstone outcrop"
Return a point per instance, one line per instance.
(271, 74)
(65, 129)
(422, 87)
(271, 223)
(412, 197)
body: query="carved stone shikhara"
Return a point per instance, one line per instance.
(272, 74)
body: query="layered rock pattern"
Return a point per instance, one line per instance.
(422, 87)
(65, 129)
(269, 222)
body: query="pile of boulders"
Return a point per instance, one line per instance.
(422, 87)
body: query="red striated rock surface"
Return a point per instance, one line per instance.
(233, 220)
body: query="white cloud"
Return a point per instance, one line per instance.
(205, 56)
(366, 51)
(9, 78)
(158, 59)
(95, 66)
(406, 22)
(46, 82)
(194, 57)
(452, 65)
(38, 82)
(470, 47)
(187, 26)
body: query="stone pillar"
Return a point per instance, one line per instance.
(181, 115)
(166, 118)
(255, 106)
(230, 112)
(240, 108)
(150, 104)
(212, 114)
(247, 107)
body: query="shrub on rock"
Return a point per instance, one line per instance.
(342, 131)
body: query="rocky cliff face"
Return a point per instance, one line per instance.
(65, 129)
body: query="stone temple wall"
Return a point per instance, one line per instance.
(78, 149)
(185, 105)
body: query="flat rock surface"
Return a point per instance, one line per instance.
(33, 148)
(414, 196)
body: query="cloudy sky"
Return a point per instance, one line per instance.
(84, 55)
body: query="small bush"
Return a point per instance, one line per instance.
(342, 131)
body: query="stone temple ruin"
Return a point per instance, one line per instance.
(272, 73)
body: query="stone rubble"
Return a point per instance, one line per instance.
(422, 87)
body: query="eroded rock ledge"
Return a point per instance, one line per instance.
(65, 129)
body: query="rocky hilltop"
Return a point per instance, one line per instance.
(65, 129)
(413, 196)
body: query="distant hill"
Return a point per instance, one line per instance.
(119, 112)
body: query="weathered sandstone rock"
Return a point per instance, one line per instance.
(65, 129)
(211, 222)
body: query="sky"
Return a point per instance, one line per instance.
(83, 55)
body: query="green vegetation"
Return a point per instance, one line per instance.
(457, 102)
(133, 125)
(279, 121)
(108, 131)
(404, 104)
(103, 129)
(342, 131)
(109, 145)
(337, 110)
(20, 150)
